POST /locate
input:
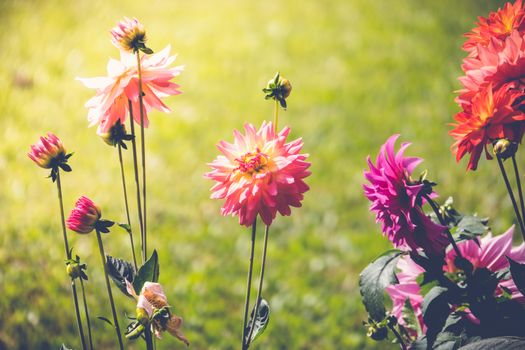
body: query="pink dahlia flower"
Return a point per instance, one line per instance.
(113, 93)
(151, 299)
(259, 174)
(490, 253)
(129, 35)
(48, 151)
(84, 216)
(397, 201)
(407, 290)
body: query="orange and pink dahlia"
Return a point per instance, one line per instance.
(397, 200)
(259, 174)
(115, 92)
(490, 117)
(48, 152)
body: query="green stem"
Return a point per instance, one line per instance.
(511, 195)
(143, 149)
(68, 256)
(148, 338)
(518, 183)
(443, 223)
(86, 312)
(108, 287)
(248, 288)
(276, 119)
(126, 205)
(261, 279)
(137, 182)
(398, 336)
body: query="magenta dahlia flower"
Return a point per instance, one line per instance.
(259, 174)
(129, 35)
(84, 216)
(396, 200)
(48, 152)
(113, 93)
(490, 253)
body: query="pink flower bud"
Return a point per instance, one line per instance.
(48, 151)
(129, 35)
(84, 216)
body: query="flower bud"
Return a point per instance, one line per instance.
(142, 315)
(129, 35)
(278, 88)
(115, 134)
(73, 270)
(48, 152)
(84, 216)
(504, 148)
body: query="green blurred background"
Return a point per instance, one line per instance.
(361, 70)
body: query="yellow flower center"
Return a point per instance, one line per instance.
(252, 162)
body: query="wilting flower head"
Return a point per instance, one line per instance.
(48, 152)
(490, 117)
(259, 174)
(407, 290)
(396, 200)
(490, 253)
(129, 35)
(115, 92)
(84, 216)
(152, 300)
(498, 25)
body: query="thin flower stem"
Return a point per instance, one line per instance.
(261, 279)
(108, 287)
(518, 182)
(137, 182)
(511, 195)
(143, 149)
(442, 222)
(148, 338)
(126, 204)
(68, 255)
(276, 119)
(248, 288)
(398, 336)
(86, 312)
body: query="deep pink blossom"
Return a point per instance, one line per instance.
(46, 150)
(397, 201)
(84, 216)
(113, 92)
(259, 174)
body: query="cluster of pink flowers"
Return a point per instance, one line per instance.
(397, 200)
(493, 89)
(259, 174)
(488, 252)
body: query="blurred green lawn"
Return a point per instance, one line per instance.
(361, 70)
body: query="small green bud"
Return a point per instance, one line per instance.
(504, 148)
(115, 135)
(278, 88)
(73, 270)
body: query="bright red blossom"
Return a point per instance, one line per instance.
(84, 216)
(491, 116)
(259, 174)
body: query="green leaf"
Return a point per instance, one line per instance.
(64, 347)
(149, 272)
(120, 270)
(126, 227)
(373, 281)
(261, 321)
(435, 311)
(146, 50)
(517, 271)
(446, 341)
(470, 227)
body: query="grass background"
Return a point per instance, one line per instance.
(361, 70)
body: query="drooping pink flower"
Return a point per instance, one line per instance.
(259, 174)
(129, 35)
(113, 92)
(151, 299)
(407, 290)
(84, 216)
(48, 151)
(490, 253)
(396, 200)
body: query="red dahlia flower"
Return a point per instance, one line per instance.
(259, 174)
(84, 216)
(491, 116)
(396, 200)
